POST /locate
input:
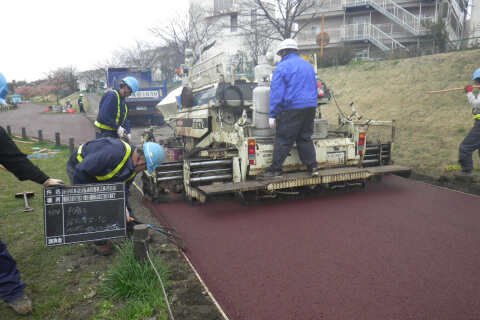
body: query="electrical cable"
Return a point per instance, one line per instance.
(336, 103)
(160, 279)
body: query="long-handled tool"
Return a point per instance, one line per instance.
(448, 90)
(25, 196)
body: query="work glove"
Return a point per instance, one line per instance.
(53, 182)
(128, 215)
(272, 122)
(122, 133)
(468, 88)
(129, 138)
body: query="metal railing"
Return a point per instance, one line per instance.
(393, 11)
(370, 32)
(355, 32)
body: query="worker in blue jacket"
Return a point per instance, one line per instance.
(107, 160)
(293, 102)
(112, 118)
(15, 161)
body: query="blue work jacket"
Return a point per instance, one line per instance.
(294, 85)
(99, 158)
(108, 111)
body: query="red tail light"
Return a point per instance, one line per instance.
(251, 151)
(361, 142)
(320, 89)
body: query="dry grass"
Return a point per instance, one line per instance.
(430, 128)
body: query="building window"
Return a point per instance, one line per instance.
(222, 5)
(233, 22)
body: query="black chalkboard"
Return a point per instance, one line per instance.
(84, 213)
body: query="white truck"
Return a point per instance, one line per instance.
(222, 141)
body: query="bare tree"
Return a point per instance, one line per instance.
(287, 17)
(188, 31)
(63, 79)
(92, 79)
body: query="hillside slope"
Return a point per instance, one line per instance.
(429, 127)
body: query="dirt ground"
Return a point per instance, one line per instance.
(449, 182)
(188, 298)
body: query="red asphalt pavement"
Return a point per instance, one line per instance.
(398, 250)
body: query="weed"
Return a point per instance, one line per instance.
(135, 281)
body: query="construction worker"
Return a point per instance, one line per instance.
(107, 160)
(472, 140)
(15, 161)
(293, 101)
(80, 103)
(112, 118)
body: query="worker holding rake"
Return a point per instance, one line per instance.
(472, 140)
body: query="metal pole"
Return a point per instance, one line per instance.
(9, 130)
(24, 133)
(40, 136)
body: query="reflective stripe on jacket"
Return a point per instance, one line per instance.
(102, 160)
(107, 117)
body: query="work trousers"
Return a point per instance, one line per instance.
(102, 133)
(82, 110)
(294, 125)
(11, 287)
(468, 146)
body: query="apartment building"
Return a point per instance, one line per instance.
(373, 27)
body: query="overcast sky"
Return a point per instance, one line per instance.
(42, 35)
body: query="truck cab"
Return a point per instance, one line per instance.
(16, 98)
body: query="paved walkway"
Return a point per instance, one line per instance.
(29, 116)
(398, 250)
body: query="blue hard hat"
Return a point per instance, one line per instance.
(132, 83)
(154, 155)
(3, 89)
(476, 74)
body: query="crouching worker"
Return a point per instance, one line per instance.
(106, 160)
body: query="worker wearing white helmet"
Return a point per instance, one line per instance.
(80, 103)
(472, 140)
(293, 102)
(112, 118)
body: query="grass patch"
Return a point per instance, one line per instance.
(62, 281)
(136, 284)
(52, 100)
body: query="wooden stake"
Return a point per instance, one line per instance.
(448, 90)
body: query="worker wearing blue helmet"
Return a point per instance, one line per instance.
(472, 140)
(112, 118)
(107, 160)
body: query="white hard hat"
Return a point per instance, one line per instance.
(81, 94)
(287, 44)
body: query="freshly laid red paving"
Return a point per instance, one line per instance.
(397, 250)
